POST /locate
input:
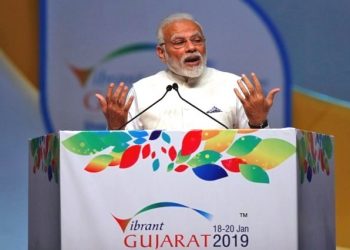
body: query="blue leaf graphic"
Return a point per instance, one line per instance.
(49, 170)
(155, 165)
(210, 172)
(138, 133)
(166, 137)
(155, 134)
(139, 141)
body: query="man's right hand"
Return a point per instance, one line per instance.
(114, 106)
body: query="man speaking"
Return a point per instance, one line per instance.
(209, 99)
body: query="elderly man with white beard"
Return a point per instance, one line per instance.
(235, 101)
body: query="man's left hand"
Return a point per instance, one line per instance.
(255, 104)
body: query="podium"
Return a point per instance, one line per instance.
(197, 189)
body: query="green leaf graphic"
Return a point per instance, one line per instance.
(244, 145)
(85, 143)
(204, 157)
(327, 146)
(254, 173)
(116, 139)
(269, 153)
(181, 158)
(170, 167)
(99, 163)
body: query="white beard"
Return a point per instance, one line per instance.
(179, 67)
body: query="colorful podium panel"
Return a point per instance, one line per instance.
(198, 189)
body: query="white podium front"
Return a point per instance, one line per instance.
(198, 189)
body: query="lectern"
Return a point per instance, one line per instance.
(197, 189)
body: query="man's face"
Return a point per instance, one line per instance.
(184, 48)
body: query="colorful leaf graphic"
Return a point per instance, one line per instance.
(117, 156)
(155, 134)
(99, 163)
(209, 172)
(181, 158)
(247, 131)
(327, 146)
(120, 147)
(118, 139)
(309, 174)
(301, 150)
(254, 173)
(172, 153)
(34, 146)
(138, 133)
(221, 141)
(170, 167)
(146, 150)
(49, 173)
(326, 165)
(181, 168)
(232, 164)
(140, 140)
(191, 142)
(244, 145)
(269, 153)
(207, 134)
(155, 165)
(85, 143)
(204, 157)
(166, 137)
(130, 156)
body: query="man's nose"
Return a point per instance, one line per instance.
(190, 46)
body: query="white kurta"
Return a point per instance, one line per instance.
(212, 92)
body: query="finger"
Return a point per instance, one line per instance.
(123, 95)
(243, 88)
(239, 95)
(102, 101)
(257, 83)
(247, 82)
(128, 103)
(271, 95)
(109, 92)
(117, 93)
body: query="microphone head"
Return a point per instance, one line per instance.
(169, 87)
(175, 86)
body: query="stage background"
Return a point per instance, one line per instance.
(314, 36)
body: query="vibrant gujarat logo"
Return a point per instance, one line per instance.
(83, 74)
(123, 223)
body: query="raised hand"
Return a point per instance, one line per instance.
(114, 106)
(255, 104)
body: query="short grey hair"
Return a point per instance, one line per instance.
(173, 18)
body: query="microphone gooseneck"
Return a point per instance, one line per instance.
(168, 88)
(175, 86)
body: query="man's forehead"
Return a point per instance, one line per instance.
(180, 28)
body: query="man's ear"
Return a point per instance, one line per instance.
(161, 53)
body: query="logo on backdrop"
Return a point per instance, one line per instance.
(83, 74)
(138, 234)
(98, 77)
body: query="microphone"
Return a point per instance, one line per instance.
(176, 88)
(168, 88)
